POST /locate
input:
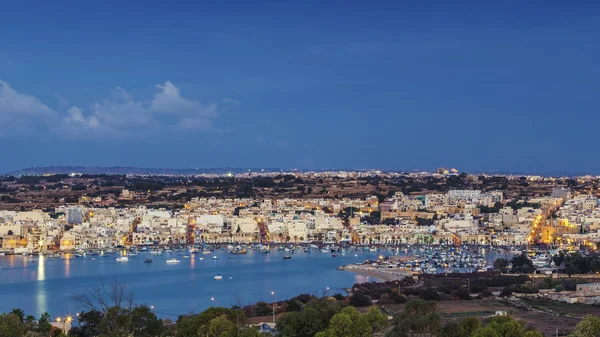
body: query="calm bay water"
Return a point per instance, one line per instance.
(43, 284)
(37, 284)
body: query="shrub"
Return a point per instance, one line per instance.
(360, 300)
(430, 294)
(339, 297)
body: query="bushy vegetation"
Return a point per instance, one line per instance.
(421, 318)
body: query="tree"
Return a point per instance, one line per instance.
(193, 325)
(44, 324)
(88, 324)
(589, 326)
(315, 317)
(468, 325)
(419, 317)
(376, 319)
(262, 309)
(501, 264)
(114, 313)
(533, 333)
(350, 323)
(522, 264)
(145, 322)
(485, 332)
(18, 312)
(220, 327)
(11, 325)
(452, 330)
(359, 299)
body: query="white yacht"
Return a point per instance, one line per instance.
(122, 259)
(218, 277)
(173, 261)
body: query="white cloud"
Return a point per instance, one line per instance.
(63, 102)
(21, 109)
(76, 117)
(168, 100)
(123, 115)
(121, 94)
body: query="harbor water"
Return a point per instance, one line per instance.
(42, 284)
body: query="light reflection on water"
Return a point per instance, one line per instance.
(41, 296)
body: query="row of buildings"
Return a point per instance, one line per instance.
(452, 218)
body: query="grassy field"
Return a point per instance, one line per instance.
(545, 315)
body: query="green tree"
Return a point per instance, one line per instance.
(18, 312)
(145, 323)
(451, 329)
(199, 324)
(510, 328)
(348, 323)
(44, 324)
(263, 309)
(418, 317)
(501, 264)
(376, 319)
(522, 264)
(359, 299)
(220, 327)
(11, 326)
(589, 326)
(486, 331)
(533, 333)
(468, 325)
(314, 318)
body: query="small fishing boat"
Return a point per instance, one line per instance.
(218, 277)
(287, 257)
(173, 261)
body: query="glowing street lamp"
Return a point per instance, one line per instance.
(274, 304)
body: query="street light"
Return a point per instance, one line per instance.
(274, 304)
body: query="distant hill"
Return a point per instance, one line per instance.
(235, 170)
(136, 170)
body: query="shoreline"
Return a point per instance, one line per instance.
(380, 275)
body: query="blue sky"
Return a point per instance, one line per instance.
(477, 85)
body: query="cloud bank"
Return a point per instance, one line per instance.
(121, 115)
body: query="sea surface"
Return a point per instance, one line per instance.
(41, 284)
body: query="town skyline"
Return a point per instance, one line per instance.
(234, 170)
